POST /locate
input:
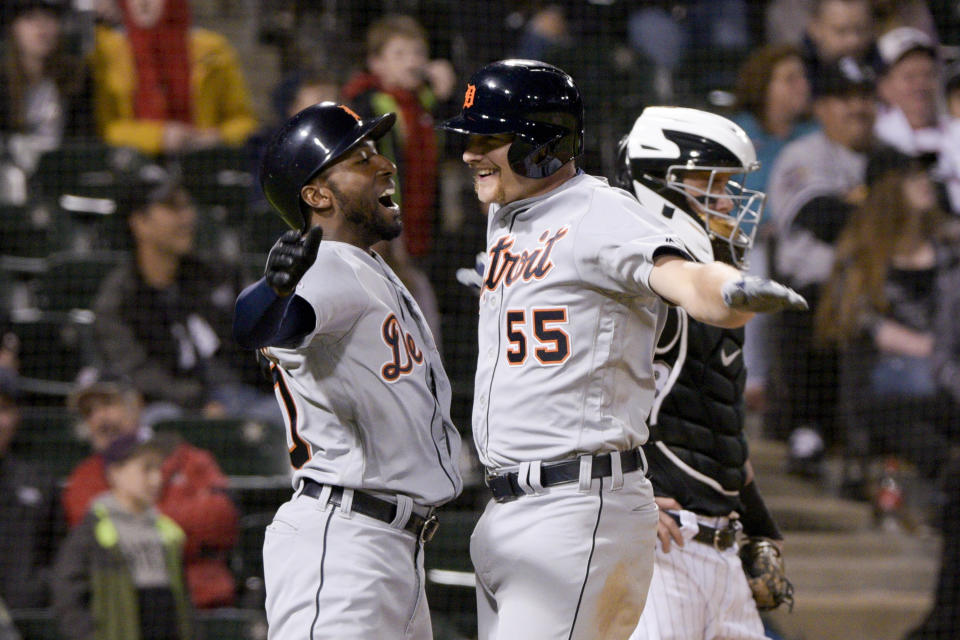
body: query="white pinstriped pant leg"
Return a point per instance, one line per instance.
(698, 593)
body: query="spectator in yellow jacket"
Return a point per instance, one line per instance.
(161, 86)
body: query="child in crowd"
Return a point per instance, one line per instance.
(402, 79)
(192, 493)
(119, 574)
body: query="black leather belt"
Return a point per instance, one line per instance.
(505, 486)
(374, 507)
(719, 539)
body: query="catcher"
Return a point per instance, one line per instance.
(687, 165)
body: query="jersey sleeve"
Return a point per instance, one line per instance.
(334, 292)
(617, 242)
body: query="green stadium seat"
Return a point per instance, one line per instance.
(219, 182)
(704, 70)
(82, 181)
(54, 346)
(35, 624)
(71, 280)
(89, 169)
(450, 584)
(241, 447)
(29, 234)
(218, 177)
(218, 236)
(213, 624)
(247, 559)
(232, 624)
(262, 227)
(445, 628)
(47, 436)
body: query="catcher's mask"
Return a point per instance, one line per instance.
(668, 144)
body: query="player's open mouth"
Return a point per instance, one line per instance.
(386, 198)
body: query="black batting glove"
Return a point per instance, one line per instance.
(289, 259)
(761, 296)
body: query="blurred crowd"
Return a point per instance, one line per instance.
(130, 218)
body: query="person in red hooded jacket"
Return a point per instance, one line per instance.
(400, 78)
(193, 495)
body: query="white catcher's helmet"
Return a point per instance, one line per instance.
(664, 143)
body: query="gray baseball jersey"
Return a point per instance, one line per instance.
(366, 397)
(808, 167)
(568, 324)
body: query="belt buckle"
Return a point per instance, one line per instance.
(429, 528)
(718, 539)
(489, 479)
(724, 538)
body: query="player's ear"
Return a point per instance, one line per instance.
(317, 196)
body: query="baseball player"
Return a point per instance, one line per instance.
(688, 165)
(570, 308)
(358, 375)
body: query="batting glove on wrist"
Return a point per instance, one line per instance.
(289, 259)
(760, 295)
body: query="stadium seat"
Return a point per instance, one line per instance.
(232, 624)
(213, 624)
(242, 447)
(704, 70)
(47, 436)
(218, 177)
(35, 624)
(82, 181)
(261, 229)
(54, 346)
(71, 280)
(83, 170)
(219, 181)
(451, 591)
(247, 560)
(30, 233)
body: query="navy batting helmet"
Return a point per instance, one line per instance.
(307, 144)
(535, 101)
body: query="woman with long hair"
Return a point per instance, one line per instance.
(879, 308)
(46, 95)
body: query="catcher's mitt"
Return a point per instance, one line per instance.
(766, 576)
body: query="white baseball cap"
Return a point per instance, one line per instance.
(896, 43)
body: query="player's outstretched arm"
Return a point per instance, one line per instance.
(717, 293)
(266, 314)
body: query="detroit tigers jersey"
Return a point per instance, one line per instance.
(567, 325)
(365, 396)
